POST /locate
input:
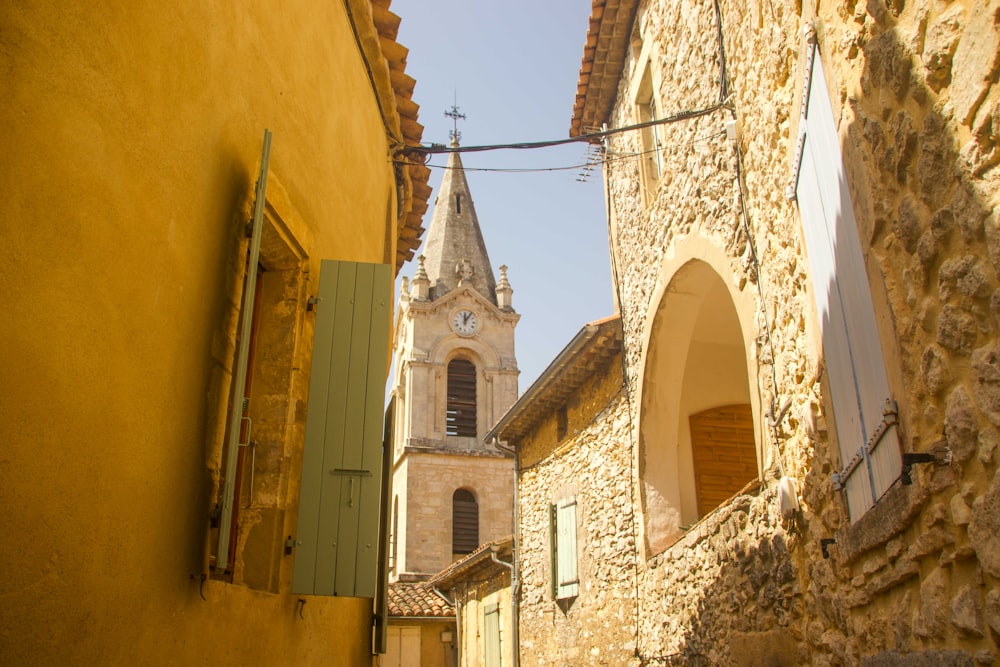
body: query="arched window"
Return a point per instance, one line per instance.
(464, 522)
(460, 417)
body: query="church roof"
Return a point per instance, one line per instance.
(454, 245)
(417, 600)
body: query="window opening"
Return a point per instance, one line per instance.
(458, 204)
(652, 154)
(562, 423)
(460, 414)
(465, 522)
(245, 434)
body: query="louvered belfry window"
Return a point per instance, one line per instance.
(464, 522)
(461, 411)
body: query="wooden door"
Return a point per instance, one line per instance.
(724, 454)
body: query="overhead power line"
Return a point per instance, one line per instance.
(590, 137)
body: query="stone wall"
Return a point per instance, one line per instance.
(915, 93)
(425, 519)
(594, 465)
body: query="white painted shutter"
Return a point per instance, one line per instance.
(851, 347)
(568, 582)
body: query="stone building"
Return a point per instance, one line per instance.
(576, 555)
(805, 239)
(167, 314)
(480, 587)
(455, 374)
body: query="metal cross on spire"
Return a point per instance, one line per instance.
(455, 115)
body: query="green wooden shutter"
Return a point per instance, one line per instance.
(242, 357)
(338, 525)
(568, 583)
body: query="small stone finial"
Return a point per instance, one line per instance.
(404, 289)
(504, 290)
(421, 283)
(464, 270)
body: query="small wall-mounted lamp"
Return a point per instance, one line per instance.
(788, 496)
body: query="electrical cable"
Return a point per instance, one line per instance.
(531, 170)
(591, 137)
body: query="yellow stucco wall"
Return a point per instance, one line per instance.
(132, 134)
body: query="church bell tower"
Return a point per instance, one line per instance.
(455, 376)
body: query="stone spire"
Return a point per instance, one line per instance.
(455, 252)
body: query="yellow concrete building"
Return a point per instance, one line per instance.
(140, 529)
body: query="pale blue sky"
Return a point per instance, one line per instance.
(514, 67)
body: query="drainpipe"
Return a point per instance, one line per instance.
(458, 621)
(515, 579)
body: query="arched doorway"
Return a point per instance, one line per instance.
(697, 444)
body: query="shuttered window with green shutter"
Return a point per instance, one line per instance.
(339, 503)
(565, 580)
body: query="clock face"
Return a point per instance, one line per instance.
(465, 322)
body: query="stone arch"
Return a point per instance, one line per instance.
(697, 360)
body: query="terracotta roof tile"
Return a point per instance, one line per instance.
(417, 600)
(603, 61)
(478, 560)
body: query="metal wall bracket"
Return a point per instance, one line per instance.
(940, 456)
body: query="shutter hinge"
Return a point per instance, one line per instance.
(312, 302)
(890, 417)
(289, 545)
